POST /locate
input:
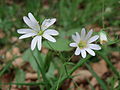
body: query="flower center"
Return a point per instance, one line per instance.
(82, 44)
(40, 32)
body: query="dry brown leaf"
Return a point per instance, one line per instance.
(56, 72)
(14, 39)
(93, 81)
(44, 50)
(18, 62)
(31, 75)
(6, 78)
(16, 51)
(117, 65)
(2, 34)
(8, 55)
(100, 68)
(81, 75)
(116, 54)
(72, 86)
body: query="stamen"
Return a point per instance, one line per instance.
(82, 44)
(40, 32)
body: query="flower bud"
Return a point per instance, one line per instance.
(103, 37)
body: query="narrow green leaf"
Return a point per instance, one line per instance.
(20, 76)
(27, 56)
(47, 60)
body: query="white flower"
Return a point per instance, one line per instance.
(103, 37)
(37, 32)
(83, 43)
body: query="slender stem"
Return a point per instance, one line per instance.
(70, 57)
(103, 6)
(64, 64)
(29, 84)
(42, 72)
(62, 60)
(80, 63)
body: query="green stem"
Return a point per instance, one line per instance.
(62, 60)
(103, 6)
(42, 72)
(64, 64)
(29, 84)
(80, 63)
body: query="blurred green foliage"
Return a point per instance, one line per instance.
(72, 15)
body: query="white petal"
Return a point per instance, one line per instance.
(51, 32)
(48, 37)
(34, 21)
(94, 38)
(47, 22)
(73, 44)
(83, 32)
(39, 44)
(76, 37)
(32, 18)
(34, 42)
(24, 31)
(27, 35)
(89, 34)
(77, 51)
(28, 22)
(83, 53)
(91, 52)
(94, 46)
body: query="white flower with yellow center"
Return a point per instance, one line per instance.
(38, 32)
(83, 43)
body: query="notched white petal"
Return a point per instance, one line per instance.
(28, 22)
(51, 32)
(47, 22)
(77, 51)
(27, 35)
(34, 22)
(76, 37)
(83, 53)
(39, 44)
(83, 33)
(91, 52)
(34, 42)
(24, 31)
(94, 46)
(32, 18)
(89, 34)
(73, 44)
(48, 37)
(94, 38)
